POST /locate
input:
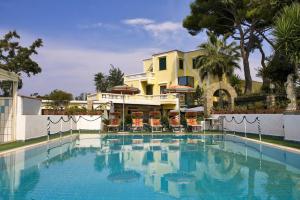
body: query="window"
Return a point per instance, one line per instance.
(194, 63)
(163, 89)
(163, 63)
(149, 90)
(186, 81)
(180, 63)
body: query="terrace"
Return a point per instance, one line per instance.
(135, 99)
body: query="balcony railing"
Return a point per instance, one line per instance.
(138, 99)
(145, 75)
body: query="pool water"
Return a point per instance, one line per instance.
(150, 167)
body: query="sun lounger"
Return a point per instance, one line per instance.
(154, 121)
(174, 122)
(137, 121)
(191, 121)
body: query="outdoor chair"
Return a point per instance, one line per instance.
(191, 121)
(137, 121)
(114, 122)
(114, 125)
(154, 121)
(174, 122)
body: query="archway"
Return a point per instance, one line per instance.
(213, 89)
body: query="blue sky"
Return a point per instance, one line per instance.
(82, 37)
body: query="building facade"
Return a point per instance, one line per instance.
(169, 68)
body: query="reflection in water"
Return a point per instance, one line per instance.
(149, 167)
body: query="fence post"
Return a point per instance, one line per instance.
(71, 124)
(259, 129)
(245, 126)
(100, 124)
(61, 127)
(48, 128)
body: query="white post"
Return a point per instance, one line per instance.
(123, 112)
(100, 119)
(71, 124)
(61, 128)
(245, 128)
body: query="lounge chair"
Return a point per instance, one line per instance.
(154, 121)
(191, 121)
(114, 122)
(174, 121)
(137, 121)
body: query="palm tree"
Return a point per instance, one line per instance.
(101, 82)
(287, 43)
(287, 33)
(218, 58)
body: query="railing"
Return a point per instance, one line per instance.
(140, 75)
(151, 99)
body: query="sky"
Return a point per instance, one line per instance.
(83, 37)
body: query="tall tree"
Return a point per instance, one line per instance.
(248, 21)
(101, 82)
(115, 76)
(16, 58)
(104, 82)
(218, 58)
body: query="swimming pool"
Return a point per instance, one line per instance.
(150, 167)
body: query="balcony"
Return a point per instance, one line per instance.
(143, 77)
(136, 99)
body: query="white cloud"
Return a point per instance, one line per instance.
(163, 32)
(154, 27)
(138, 21)
(158, 28)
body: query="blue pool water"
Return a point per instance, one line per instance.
(150, 167)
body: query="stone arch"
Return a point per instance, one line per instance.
(212, 88)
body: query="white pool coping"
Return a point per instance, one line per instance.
(283, 148)
(3, 153)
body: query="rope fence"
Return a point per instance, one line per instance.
(71, 120)
(243, 120)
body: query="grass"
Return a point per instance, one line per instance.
(265, 138)
(271, 139)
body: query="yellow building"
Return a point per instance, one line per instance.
(169, 68)
(162, 70)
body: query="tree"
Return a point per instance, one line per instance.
(248, 21)
(287, 34)
(218, 58)
(198, 95)
(115, 77)
(276, 70)
(60, 99)
(104, 83)
(16, 58)
(101, 82)
(236, 82)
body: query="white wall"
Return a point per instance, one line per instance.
(271, 124)
(292, 127)
(33, 126)
(28, 106)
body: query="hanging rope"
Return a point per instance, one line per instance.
(244, 118)
(68, 120)
(91, 120)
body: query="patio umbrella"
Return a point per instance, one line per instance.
(180, 89)
(124, 89)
